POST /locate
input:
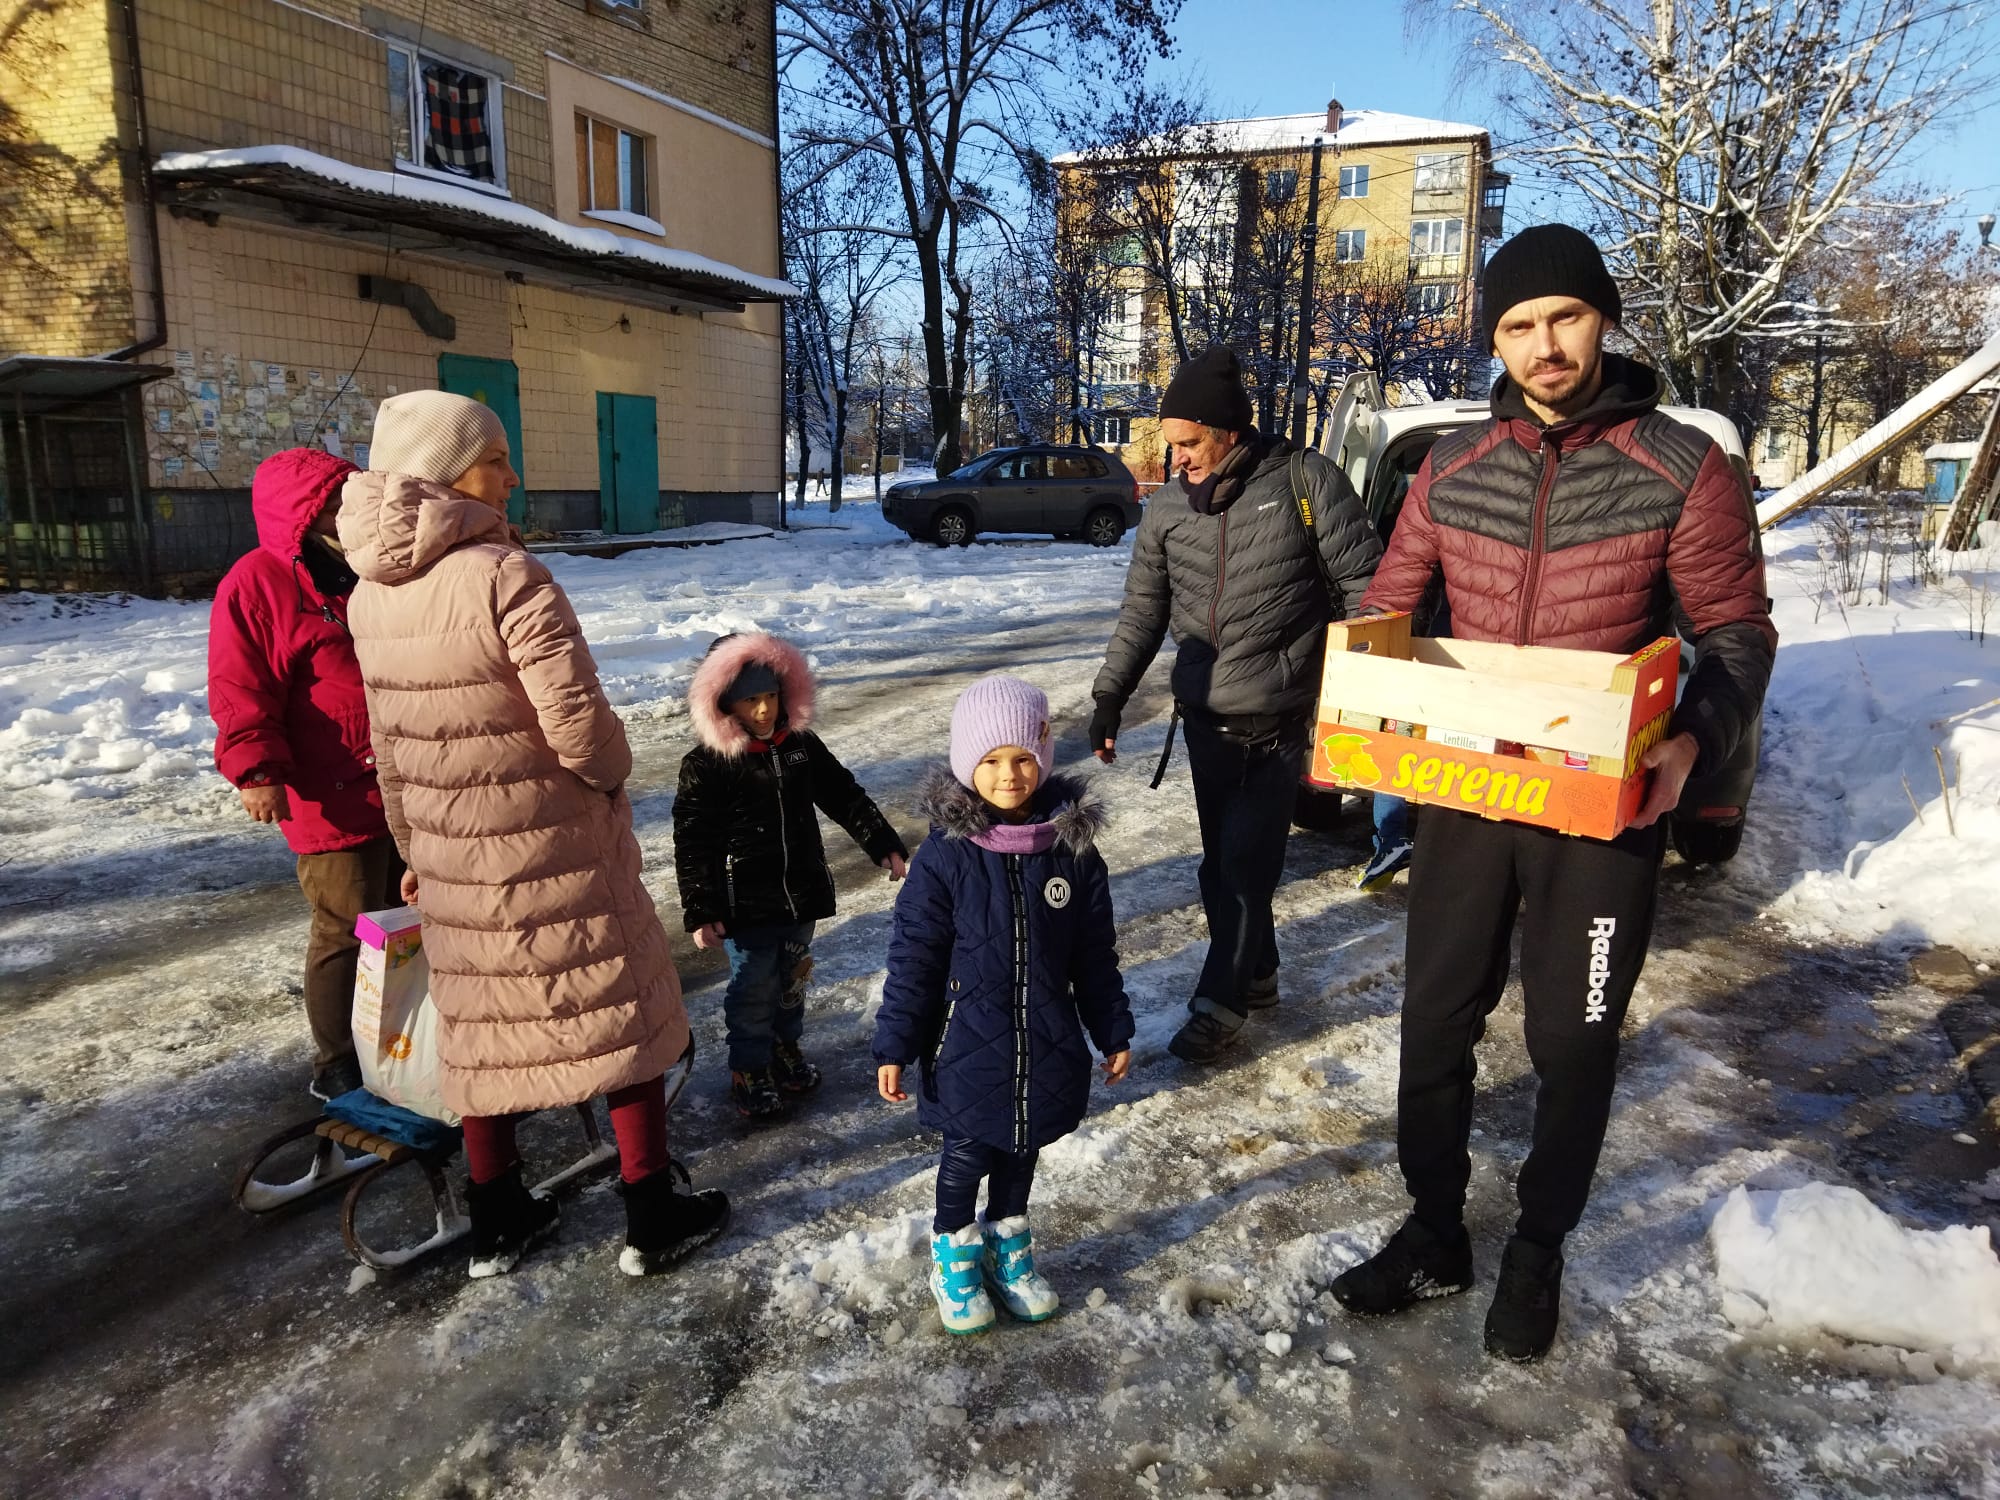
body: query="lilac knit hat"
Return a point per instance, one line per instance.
(998, 711)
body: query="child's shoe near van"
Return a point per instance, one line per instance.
(962, 1303)
(1009, 1266)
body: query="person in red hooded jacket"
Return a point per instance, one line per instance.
(292, 730)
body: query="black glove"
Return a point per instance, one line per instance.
(1104, 723)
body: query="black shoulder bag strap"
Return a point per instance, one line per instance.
(1302, 498)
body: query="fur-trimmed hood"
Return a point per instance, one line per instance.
(719, 729)
(1075, 814)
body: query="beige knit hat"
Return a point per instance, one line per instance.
(432, 435)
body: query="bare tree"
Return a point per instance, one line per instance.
(951, 97)
(1418, 337)
(1712, 143)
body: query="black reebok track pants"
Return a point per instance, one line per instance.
(1589, 916)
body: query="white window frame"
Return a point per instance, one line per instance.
(418, 118)
(1433, 298)
(1440, 236)
(1289, 176)
(623, 213)
(1113, 430)
(1352, 177)
(1440, 172)
(1350, 246)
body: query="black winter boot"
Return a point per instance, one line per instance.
(1415, 1264)
(1521, 1323)
(757, 1098)
(664, 1225)
(507, 1222)
(791, 1070)
(1208, 1033)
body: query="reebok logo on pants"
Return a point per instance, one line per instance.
(1600, 966)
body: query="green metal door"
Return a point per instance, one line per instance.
(495, 383)
(628, 462)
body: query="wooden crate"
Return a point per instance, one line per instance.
(1584, 717)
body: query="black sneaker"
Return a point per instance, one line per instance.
(1521, 1323)
(507, 1222)
(332, 1079)
(1415, 1264)
(791, 1071)
(1208, 1033)
(1262, 994)
(758, 1099)
(663, 1224)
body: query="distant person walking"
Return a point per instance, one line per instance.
(503, 769)
(1227, 559)
(1578, 516)
(291, 725)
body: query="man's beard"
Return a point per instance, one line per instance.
(1574, 379)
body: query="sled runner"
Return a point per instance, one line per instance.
(382, 1137)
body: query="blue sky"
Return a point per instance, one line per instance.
(1270, 57)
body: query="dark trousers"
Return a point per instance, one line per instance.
(1589, 916)
(340, 886)
(638, 1120)
(766, 998)
(1244, 787)
(1009, 1174)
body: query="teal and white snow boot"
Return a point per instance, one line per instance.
(1009, 1264)
(963, 1305)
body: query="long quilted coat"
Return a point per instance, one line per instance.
(283, 686)
(1241, 589)
(746, 815)
(1000, 962)
(502, 769)
(1586, 535)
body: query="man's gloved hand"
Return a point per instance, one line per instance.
(1104, 730)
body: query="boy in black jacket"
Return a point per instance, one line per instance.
(752, 870)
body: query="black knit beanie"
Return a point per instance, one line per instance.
(1209, 389)
(1549, 260)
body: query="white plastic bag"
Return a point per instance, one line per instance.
(395, 1024)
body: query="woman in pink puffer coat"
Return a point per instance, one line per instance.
(502, 768)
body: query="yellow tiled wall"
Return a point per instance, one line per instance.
(70, 292)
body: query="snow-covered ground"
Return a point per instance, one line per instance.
(159, 1342)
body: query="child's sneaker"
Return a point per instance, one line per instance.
(962, 1303)
(757, 1098)
(1009, 1264)
(791, 1070)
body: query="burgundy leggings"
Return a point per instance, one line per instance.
(638, 1119)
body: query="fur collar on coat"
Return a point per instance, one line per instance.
(1065, 805)
(719, 729)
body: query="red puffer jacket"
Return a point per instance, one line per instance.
(283, 686)
(1592, 534)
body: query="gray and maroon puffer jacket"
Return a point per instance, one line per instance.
(1588, 534)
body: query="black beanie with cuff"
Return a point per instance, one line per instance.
(1548, 260)
(1209, 389)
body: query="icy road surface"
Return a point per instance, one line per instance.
(158, 1342)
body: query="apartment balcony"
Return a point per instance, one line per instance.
(1436, 267)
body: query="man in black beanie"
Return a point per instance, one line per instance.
(1578, 516)
(1247, 571)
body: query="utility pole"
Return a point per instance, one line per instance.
(1301, 383)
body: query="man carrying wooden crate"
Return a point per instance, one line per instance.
(1576, 516)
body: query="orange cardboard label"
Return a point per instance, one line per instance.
(1563, 798)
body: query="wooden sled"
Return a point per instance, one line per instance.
(401, 1140)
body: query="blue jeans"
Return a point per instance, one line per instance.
(1392, 822)
(1009, 1175)
(766, 998)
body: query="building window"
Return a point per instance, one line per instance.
(1442, 172)
(1350, 244)
(1436, 246)
(1281, 185)
(1124, 250)
(1774, 445)
(1354, 182)
(446, 117)
(610, 169)
(1114, 432)
(1433, 299)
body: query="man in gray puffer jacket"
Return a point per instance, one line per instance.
(1227, 558)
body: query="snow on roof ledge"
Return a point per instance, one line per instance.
(1358, 127)
(411, 187)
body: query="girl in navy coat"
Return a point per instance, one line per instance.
(1003, 955)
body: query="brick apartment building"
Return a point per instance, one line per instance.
(250, 220)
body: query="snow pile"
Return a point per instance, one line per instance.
(1824, 1259)
(871, 1270)
(1867, 702)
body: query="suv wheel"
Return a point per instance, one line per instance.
(1103, 527)
(953, 527)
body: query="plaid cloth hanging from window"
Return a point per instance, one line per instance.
(458, 140)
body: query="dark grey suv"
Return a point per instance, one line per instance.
(1063, 490)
